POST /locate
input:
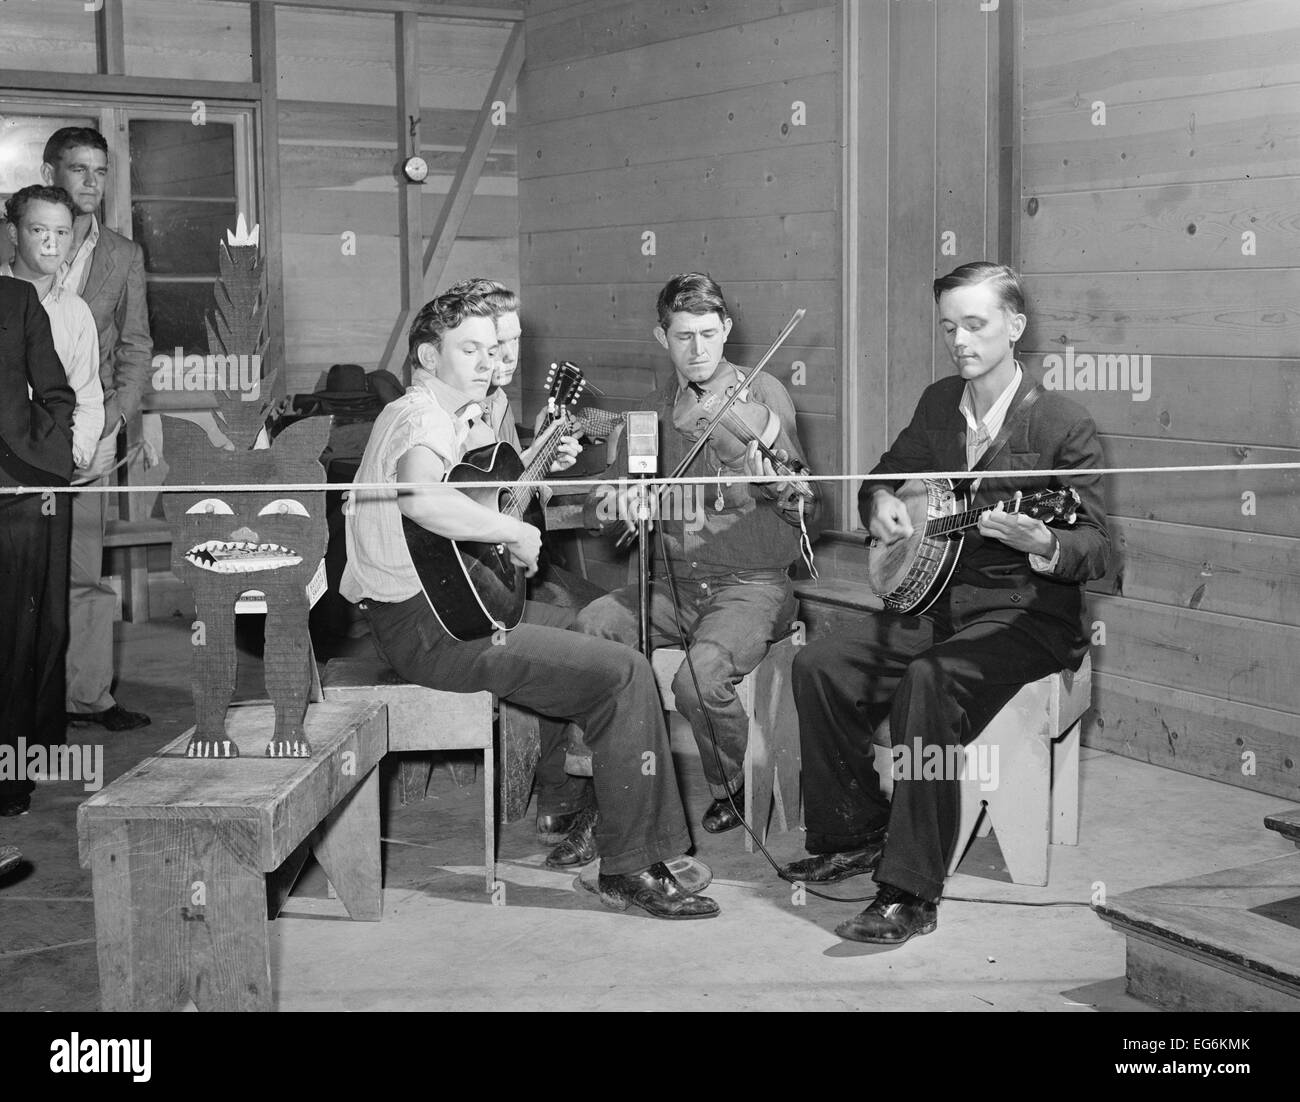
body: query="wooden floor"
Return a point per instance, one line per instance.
(442, 943)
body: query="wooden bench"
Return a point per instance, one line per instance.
(771, 768)
(180, 851)
(1034, 798)
(420, 718)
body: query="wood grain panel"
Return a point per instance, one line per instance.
(738, 56)
(1134, 51)
(1226, 136)
(1211, 499)
(332, 166)
(722, 123)
(1245, 661)
(1195, 733)
(1173, 313)
(58, 37)
(1195, 227)
(1247, 575)
(913, 242)
(593, 27)
(764, 182)
(626, 311)
(330, 212)
(1230, 400)
(191, 40)
(788, 246)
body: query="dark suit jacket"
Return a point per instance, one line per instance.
(115, 293)
(35, 432)
(993, 580)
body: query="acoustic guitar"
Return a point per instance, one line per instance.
(909, 574)
(476, 589)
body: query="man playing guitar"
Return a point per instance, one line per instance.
(607, 688)
(1011, 614)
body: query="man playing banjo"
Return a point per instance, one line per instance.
(1011, 613)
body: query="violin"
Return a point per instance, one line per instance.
(705, 434)
(744, 423)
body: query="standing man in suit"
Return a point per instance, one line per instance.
(36, 405)
(1012, 613)
(107, 271)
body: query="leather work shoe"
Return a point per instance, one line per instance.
(115, 718)
(579, 846)
(831, 868)
(891, 918)
(10, 859)
(656, 891)
(720, 817)
(553, 829)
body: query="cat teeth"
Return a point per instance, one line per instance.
(240, 556)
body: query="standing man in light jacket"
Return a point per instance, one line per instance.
(107, 271)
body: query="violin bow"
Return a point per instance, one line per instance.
(698, 446)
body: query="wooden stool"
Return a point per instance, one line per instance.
(1035, 801)
(180, 850)
(420, 718)
(772, 758)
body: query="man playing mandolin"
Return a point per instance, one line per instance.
(607, 688)
(1011, 614)
(728, 549)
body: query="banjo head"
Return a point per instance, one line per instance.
(889, 565)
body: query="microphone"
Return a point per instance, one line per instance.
(642, 430)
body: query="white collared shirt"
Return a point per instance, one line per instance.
(980, 433)
(74, 271)
(76, 340)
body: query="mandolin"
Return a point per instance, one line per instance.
(909, 574)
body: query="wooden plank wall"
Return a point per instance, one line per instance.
(682, 121)
(1166, 229)
(338, 165)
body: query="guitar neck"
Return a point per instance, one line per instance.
(547, 444)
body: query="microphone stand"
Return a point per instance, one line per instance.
(643, 569)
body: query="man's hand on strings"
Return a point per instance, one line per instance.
(889, 519)
(1018, 530)
(758, 465)
(524, 547)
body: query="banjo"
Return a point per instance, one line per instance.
(909, 574)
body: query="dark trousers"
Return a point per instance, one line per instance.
(940, 678)
(729, 622)
(607, 688)
(34, 551)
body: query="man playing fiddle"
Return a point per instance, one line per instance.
(729, 545)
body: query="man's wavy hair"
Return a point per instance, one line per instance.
(691, 293)
(1006, 282)
(447, 311)
(497, 294)
(72, 137)
(16, 205)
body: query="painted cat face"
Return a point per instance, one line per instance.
(251, 538)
